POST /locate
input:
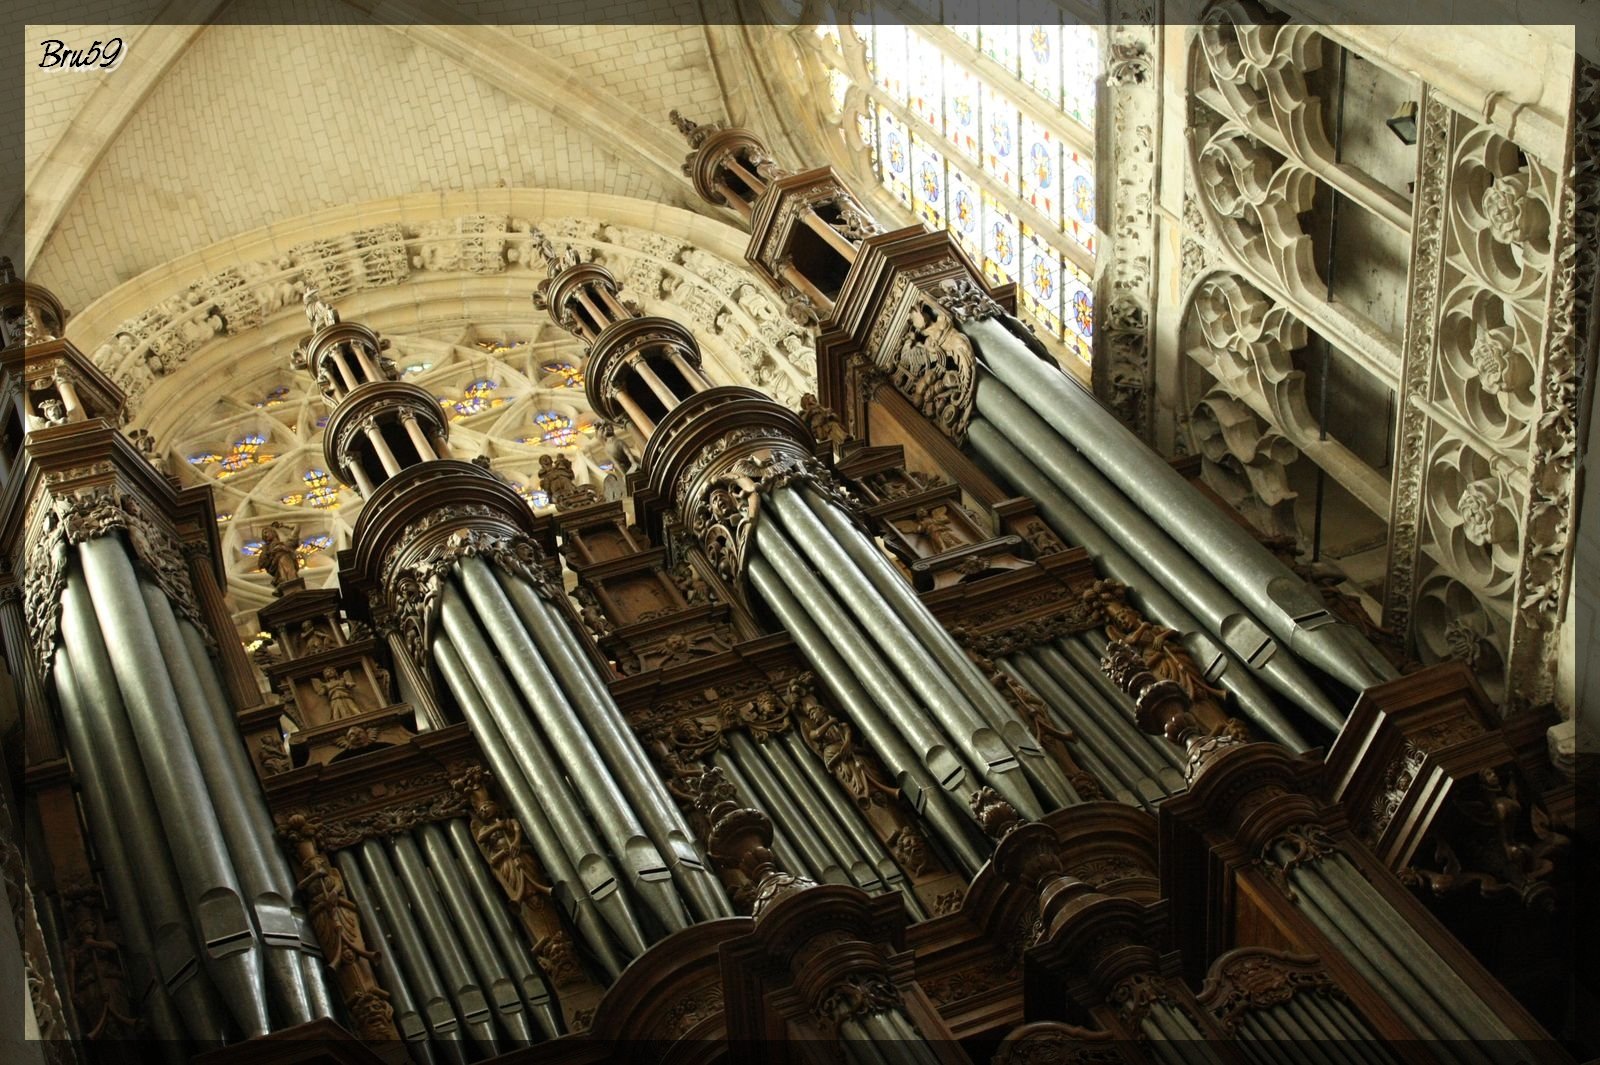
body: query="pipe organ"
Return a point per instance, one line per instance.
(939, 721)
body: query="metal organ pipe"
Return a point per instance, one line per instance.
(262, 872)
(612, 735)
(932, 795)
(407, 1017)
(535, 993)
(970, 733)
(413, 953)
(122, 819)
(462, 985)
(566, 844)
(647, 874)
(1283, 602)
(1217, 607)
(1011, 465)
(310, 952)
(989, 703)
(199, 850)
(493, 975)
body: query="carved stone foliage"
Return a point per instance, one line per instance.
(1246, 462)
(1484, 459)
(714, 296)
(1126, 296)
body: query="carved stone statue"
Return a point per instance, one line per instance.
(340, 691)
(318, 313)
(279, 559)
(53, 411)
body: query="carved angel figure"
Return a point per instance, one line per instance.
(279, 559)
(340, 691)
(933, 526)
(318, 313)
(835, 744)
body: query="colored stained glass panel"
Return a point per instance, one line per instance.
(1041, 59)
(1041, 169)
(962, 99)
(927, 183)
(1078, 311)
(926, 82)
(965, 210)
(998, 40)
(891, 61)
(894, 147)
(1078, 216)
(1041, 281)
(476, 398)
(1000, 239)
(1080, 50)
(1000, 137)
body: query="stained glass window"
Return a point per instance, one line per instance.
(320, 491)
(554, 429)
(965, 210)
(999, 41)
(1000, 237)
(275, 398)
(1080, 48)
(1079, 207)
(538, 497)
(562, 375)
(411, 369)
(476, 398)
(894, 148)
(890, 63)
(500, 347)
(1041, 169)
(1028, 205)
(244, 453)
(303, 550)
(1041, 58)
(928, 186)
(838, 87)
(1041, 281)
(1078, 307)
(926, 82)
(1000, 135)
(961, 100)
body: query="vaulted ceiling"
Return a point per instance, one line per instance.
(208, 131)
